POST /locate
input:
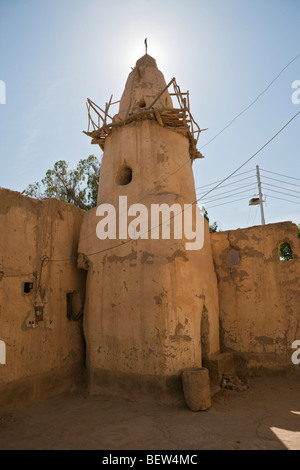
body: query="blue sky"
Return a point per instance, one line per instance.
(53, 55)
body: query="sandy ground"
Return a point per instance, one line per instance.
(266, 416)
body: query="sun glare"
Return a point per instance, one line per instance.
(290, 439)
(161, 53)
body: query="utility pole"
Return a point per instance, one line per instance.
(260, 197)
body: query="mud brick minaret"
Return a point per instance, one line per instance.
(151, 305)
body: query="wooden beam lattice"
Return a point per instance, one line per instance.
(175, 119)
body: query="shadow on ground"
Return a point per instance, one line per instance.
(266, 416)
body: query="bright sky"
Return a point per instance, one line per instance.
(54, 54)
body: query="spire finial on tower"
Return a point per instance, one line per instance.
(146, 45)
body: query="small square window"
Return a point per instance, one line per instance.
(27, 287)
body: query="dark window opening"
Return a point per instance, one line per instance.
(74, 306)
(285, 252)
(27, 287)
(204, 333)
(124, 175)
(142, 103)
(234, 258)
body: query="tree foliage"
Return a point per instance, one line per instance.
(212, 228)
(78, 187)
(285, 252)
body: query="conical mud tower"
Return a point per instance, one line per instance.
(151, 305)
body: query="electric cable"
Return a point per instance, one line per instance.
(230, 195)
(279, 174)
(210, 184)
(281, 181)
(251, 104)
(280, 187)
(282, 199)
(228, 202)
(280, 192)
(208, 192)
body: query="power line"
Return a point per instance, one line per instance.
(210, 201)
(188, 160)
(282, 181)
(198, 199)
(236, 176)
(235, 189)
(243, 199)
(279, 174)
(280, 187)
(236, 117)
(230, 195)
(255, 215)
(228, 202)
(230, 184)
(251, 104)
(282, 199)
(280, 192)
(249, 212)
(252, 156)
(195, 202)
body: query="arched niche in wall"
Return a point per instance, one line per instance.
(124, 175)
(204, 333)
(285, 252)
(234, 258)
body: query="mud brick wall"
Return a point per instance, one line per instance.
(41, 299)
(259, 293)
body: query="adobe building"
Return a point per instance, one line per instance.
(259, 296)
(134, 313)
(150, 303)
(41, 299)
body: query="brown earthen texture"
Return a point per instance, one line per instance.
(196, 387)
(143, 85)
(259, 293)
(44, 348)
(147, 300)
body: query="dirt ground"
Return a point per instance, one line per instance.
(266, 416)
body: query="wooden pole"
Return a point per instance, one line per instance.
(260, 196)
(159, 95)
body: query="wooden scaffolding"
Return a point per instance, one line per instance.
(101, 124)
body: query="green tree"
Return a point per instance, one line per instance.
(212, 228)
(285, 252)
(78, 187)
